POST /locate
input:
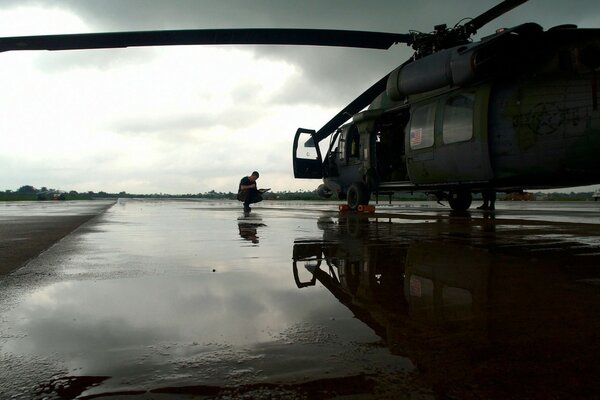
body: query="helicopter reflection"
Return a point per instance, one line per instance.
(473, 310)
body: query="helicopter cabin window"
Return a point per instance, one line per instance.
(353, 142)
(342, 146)
(421, 126)
(458, 118)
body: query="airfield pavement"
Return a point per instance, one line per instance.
(178, 299)
(29, 228)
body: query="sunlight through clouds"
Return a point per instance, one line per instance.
(182, 110)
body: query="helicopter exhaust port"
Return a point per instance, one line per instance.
(324, 192)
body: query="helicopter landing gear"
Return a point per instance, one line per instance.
(358, 194)
(460, 200)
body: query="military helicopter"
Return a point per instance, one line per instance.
(515, 110)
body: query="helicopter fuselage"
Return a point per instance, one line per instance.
(512, 112)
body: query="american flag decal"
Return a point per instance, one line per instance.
(415, 136)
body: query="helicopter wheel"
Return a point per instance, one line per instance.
(358, 194)
(460, 200)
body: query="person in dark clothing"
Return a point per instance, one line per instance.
(247, 191)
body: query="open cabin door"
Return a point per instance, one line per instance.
(307, 155)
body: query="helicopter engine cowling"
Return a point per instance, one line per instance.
(447, 67)
(462, 65)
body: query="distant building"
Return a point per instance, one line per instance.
(519, 196)
(596, 195)
(51, 195)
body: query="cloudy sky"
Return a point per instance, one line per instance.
(192, 119)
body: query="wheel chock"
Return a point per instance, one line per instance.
(366, 208)
(362, 208)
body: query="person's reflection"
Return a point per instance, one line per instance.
(248, 232)
(489, 222)
(247, 227)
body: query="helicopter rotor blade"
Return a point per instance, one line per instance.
(256, 36)
(491, 14)
(355, 106)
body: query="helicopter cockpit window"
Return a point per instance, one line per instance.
(307, 150)
(421, 127)
(458, 118)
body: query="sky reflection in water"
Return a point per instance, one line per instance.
(174, 293)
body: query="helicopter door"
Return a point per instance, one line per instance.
(448, 141)
(307, 159)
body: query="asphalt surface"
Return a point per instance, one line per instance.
(194, 299)
(29, 228)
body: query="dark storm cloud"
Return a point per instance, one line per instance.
(379, 15)
(331, 76)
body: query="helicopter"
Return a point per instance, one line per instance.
(515, 110)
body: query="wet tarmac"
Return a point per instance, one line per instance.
(194, 299)
(28, 228)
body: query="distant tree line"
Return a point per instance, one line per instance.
(557, 196)
(28, 192)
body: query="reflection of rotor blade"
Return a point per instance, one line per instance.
(315, 37)
(491, 14)
(357, 104)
